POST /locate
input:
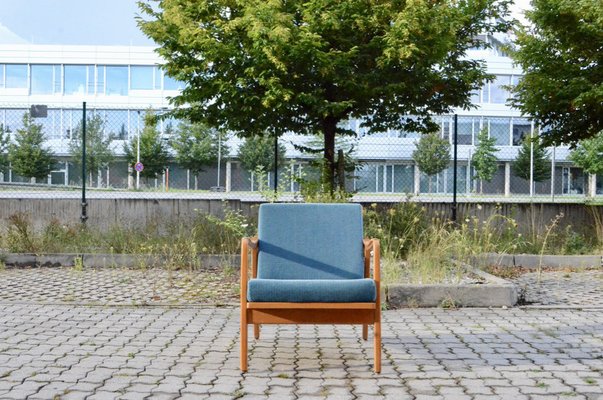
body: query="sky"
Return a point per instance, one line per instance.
(84, 22)
(91, 22)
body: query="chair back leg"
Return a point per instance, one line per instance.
(364, 331)
(256, 331)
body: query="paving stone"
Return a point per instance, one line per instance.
(192, 352)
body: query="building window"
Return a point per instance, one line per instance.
(51, 125)
(76, 78)
(499, 94)
(14, 120)
(476, 97)
(499, 129)
(521, 129)
(171, 83)
(2, 66)
(142, 77)
(117, 124)
(116, 80)
(42, 79)
(16, 76)
(465, 130)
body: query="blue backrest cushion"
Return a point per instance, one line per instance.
(310, 241)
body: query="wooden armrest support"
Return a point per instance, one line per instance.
(252, 242)
(374, 246)
(246, 244)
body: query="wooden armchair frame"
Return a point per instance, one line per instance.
(257, 313)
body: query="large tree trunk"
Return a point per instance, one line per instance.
(329, 128)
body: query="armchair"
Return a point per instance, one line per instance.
(310, 265)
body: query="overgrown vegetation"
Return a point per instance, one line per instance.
(428, 242)
(203, 234)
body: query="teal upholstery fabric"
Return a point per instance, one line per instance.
(310, 241)
(311, 291)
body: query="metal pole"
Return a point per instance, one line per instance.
(531, 165)
(138, 149)
(219, 157)
(275, 164)
(454, 167)
(553, 176)
(84, 215)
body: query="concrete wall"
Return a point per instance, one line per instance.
(105, 213)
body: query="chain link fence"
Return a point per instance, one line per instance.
(131, 155)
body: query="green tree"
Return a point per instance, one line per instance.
(259, 152)
(257, 67)
(346, 165)
(98, 147)
(541, 160)
(588, 155)
(484, 160)
(197, 147)
(153, 150)
(256, 154)
(28, 155)
(432, 155)
(4, 144)
(561, 54)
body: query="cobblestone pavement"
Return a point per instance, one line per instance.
(211, 286)
(52, 346)
(566, 288)
(74, 352)
(107, 286)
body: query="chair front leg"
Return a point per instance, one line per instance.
(244, 334)
(244, 339)
(377, 325)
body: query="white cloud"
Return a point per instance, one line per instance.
(9, 37)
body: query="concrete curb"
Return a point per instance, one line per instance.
(535, 260)
(400, 296)
(496, 292)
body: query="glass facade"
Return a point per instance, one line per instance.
(521, 128)
(142, 77)
(116, 80)
(498, 93)
(69, 79)
(495, 92)
(76, 79)
(499, 129)
(16, 76)
(43, 80)
(172, 84)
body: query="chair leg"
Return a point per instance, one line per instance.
(244, 339)
(377, 334)
(364, 331)
(256, 331)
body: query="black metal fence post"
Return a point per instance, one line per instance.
(84, 215)
(454, 167)
(275, 164)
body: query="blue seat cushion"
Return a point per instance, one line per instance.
(311, 290)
